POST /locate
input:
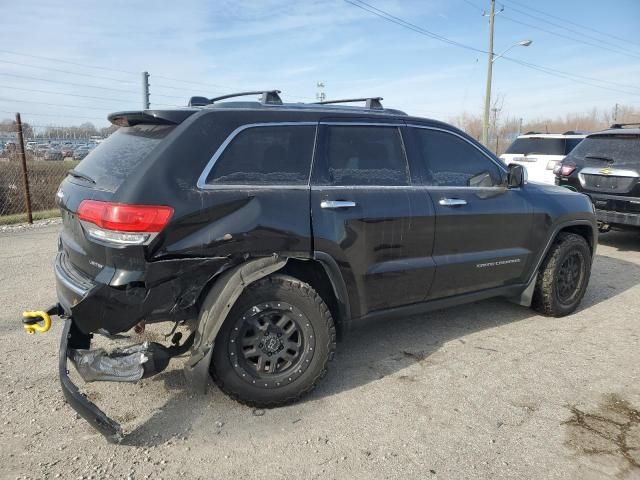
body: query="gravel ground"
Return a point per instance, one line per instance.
(488, 390)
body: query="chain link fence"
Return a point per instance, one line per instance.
(49, 156)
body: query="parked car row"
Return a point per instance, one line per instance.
(539, 153)
(52, 150)
(604, 165)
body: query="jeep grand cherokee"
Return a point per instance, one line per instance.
(264, 226)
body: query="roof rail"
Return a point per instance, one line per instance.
(269, 97)
(622, 125)
(372, 103)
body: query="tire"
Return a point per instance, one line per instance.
(563, 276)
(257, 360)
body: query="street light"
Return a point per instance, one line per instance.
(487, 98)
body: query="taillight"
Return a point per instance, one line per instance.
(123, 223)
(564, 169)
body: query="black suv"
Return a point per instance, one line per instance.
(606, 166)
(265, 226)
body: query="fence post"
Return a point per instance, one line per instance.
(23, 159)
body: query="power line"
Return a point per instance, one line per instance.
(585, 27)
(19, 54)
(468, 2)
(225, 87)
(550, 71)
(50, 115)
(119, 100)
(67, 71)
(621, 52)
(12, 100)
(67, 83)
(131, 92)
(403, 23)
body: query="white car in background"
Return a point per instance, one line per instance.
(539, 153)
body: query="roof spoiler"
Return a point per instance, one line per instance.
(153, 117)
(268, 97)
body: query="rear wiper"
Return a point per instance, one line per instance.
(598, 157)
(77, 174)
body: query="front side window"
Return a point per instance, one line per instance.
(364, 155)
(266, 155)
(450, 161)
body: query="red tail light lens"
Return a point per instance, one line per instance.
(567, 169)
(122, 217)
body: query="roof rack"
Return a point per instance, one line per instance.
(269, 97)
(372, 103)
(622, 125)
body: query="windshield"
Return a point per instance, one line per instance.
(115, 158)
(617, 148)
(542, 146)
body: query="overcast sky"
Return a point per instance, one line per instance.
(291, 45)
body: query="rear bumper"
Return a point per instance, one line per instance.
(163, 291)
(618, 218)
(73, 338)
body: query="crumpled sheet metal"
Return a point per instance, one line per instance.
(119, 365)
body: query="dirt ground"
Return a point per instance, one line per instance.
(487, 390)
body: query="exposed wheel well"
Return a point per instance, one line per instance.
(313, 273)
(585, 231)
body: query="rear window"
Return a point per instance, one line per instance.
(118, 156)
(618, 148)
(542, 146)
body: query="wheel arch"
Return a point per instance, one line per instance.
(325, 278)
(584, 228)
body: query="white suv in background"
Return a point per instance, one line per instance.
(539, 153)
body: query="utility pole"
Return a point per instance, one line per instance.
(615, 114)
(487, 95)
(145, 90)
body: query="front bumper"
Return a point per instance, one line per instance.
(73, 338)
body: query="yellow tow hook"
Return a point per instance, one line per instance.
(31, 322)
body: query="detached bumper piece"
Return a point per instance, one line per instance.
(120, 365)
(79, 402)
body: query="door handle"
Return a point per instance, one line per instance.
(452, 202)
(337, 204)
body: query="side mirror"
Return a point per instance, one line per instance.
(517, 176)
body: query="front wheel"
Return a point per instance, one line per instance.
(275, 344)
(563, 276)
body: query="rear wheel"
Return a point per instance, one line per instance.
(563, 277)
(275, 344)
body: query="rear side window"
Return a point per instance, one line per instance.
(278, 155)
(362, 155)
(450, 161)
(118, 156)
